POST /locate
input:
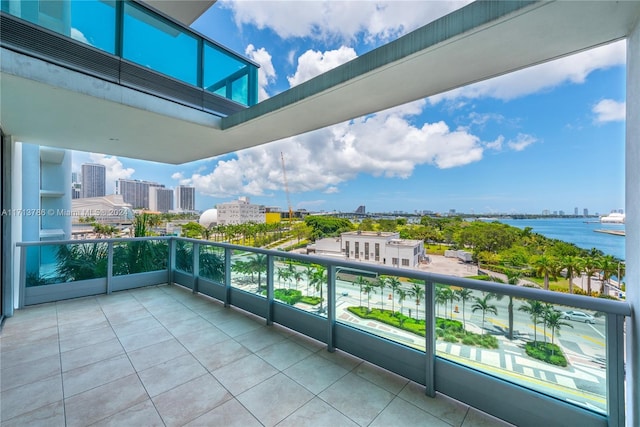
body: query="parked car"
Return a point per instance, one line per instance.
(578, 316)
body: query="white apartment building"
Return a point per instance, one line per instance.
(385, 248)
(239, 212)
(160, 199)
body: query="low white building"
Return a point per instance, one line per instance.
(384, 248)
(240, 211)
(109, 209)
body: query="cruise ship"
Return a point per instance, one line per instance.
(613, 218)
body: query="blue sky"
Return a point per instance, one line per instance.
(548, 137)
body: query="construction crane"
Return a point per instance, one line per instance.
(286, 188)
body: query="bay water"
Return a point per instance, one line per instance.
(579, 231)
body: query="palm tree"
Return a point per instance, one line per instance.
(283, 274)
(546, 309)
(464, 294)
(545, 266)
(319, 279)
(382, 284)
(608, 267)
(361, 282)
(369, 289)
(572, 265)
(483, 305)
(394, 284)
(258, 264)
(590, 267)
(451, 296)
(535, 310)
(554, 321)
(441, 297)
(513, 277)
(446, 294)
(402, 295)
(297, 276)
(417, 292)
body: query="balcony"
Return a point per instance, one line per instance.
(131, 46)
(162, 355)
(283, 309)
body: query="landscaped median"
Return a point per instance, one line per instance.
(446, 329)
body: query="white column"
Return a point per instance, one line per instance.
(632, 179)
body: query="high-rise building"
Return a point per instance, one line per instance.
(585, 212)
(361, 210)
(94, 180)
(185, 198)
(136, 192)
(160, 199)
(575, 211)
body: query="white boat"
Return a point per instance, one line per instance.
(613, 218)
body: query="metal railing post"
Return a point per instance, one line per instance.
(270, 290)
(227, 277)
(331, 307)
(109, 266)
(429, 336)
(23, 276)
(196, 266)
(171, 260)
(615, 370)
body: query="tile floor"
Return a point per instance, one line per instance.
(162, 356)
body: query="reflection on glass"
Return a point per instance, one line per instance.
(184, 256)
(249, 272)
(225, 75)
(89, 22)
(160, 45)
(300, 284)
(139, 256)
(556, 350)
(51, 264)
(212, 263)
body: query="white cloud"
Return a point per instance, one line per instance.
(543, 77)
(76, 34)
(114, 169)
(609, 110)
(312, 63)
(495, 145)
(375, 21)
(385, 144)
(521, 142)
(266, 72)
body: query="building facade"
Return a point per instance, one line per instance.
(185, 198)
(160, 199)
(94, 180)
(384, 248)
(239, 212)
(136, 192)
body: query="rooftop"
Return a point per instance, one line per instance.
(164, 356)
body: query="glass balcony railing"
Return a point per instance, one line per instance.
(134, 32)
(559, 348)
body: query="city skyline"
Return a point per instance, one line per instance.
(549, 137)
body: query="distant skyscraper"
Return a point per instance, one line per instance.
(135, 192)
(185, 198)
(361, 210)
(575, 211)
(94, 178)
(160, 199)
(585, 212)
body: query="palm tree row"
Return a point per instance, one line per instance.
(605, 267)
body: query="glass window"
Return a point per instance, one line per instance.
(160, 45)
(225, 75)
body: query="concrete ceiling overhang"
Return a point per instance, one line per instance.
(477, 42)
(184, 11)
